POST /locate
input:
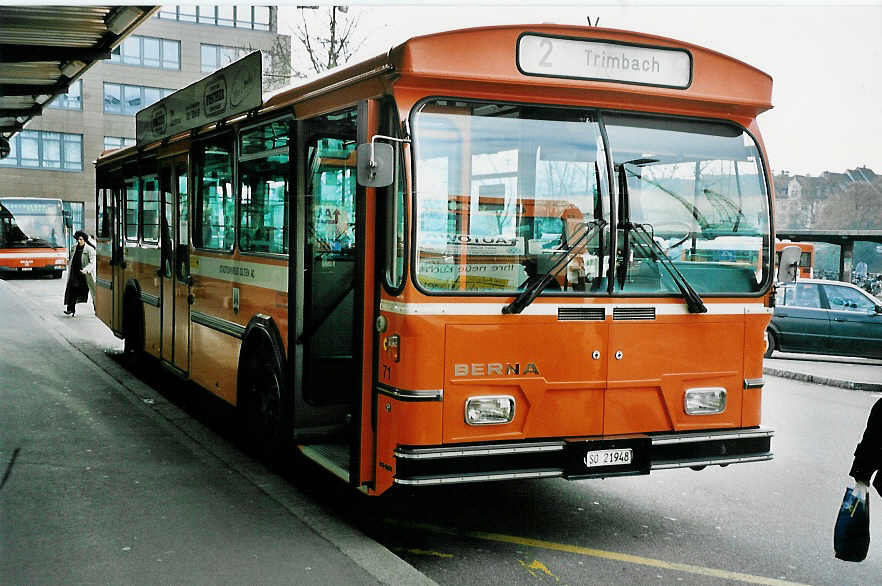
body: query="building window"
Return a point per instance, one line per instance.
(148, 52)
(72, 100)
(117, 142)
(40, 149)
(250, 17)
(128, 99)
(216, 56)
(213, 57)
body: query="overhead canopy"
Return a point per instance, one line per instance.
(43, 49)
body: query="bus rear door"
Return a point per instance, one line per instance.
(175, 264)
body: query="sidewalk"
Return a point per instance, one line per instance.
(860, 374)
(333, 550)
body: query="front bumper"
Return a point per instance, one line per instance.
(431, 465)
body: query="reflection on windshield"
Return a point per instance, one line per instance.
(501, 188)
(31, 223)
(698, 188)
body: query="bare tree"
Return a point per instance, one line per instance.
(276, 60)
(855, 207)
(328, 35)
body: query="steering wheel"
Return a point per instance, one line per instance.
(675, 227)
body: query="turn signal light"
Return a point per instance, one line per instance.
(392, 346)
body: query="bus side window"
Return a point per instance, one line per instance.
(263, 187)
(396, 225)
(215, 205)
(150, 211)
(131, 202)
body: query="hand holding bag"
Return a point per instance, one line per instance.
(851, 536)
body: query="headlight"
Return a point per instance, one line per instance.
(489, 410)
(704, 401)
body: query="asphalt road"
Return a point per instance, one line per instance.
(98, 474)
(753, 523)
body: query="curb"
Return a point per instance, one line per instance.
(823, 380)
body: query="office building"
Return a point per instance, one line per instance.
(53, 156)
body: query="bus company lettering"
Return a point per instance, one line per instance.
(485, 240)
(427, 268)
(622, 62)
(489, 369)
(237, 271)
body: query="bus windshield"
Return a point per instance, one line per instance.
(502, 188)
(31, 223)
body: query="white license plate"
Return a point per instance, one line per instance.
(620, 457)
(25, 268)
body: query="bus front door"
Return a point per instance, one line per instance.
(175, 264)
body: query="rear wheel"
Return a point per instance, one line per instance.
(133, 330)
(264, 412)
(771, 344)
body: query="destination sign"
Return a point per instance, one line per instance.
(603, 60)
(235, 89)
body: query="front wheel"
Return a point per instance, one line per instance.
(262, 406)
(770, 344)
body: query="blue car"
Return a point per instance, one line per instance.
(815, 316)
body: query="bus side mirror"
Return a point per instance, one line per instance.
(68, 218)
(788, 265)
(375, 164)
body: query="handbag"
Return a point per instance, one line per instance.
(851, 535)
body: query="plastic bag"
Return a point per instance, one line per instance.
(851, 536)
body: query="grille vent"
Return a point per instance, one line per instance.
(581, 314)
(633, 313)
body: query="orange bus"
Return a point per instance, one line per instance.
(306, 256)
(33, 236)
(806, 257)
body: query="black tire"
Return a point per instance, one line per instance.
(56, 274)
(264, 411)
(133, 330)
(771, 344)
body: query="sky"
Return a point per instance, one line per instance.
(825, 58)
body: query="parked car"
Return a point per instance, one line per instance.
(816, 316)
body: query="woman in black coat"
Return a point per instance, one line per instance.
(868, 454)
(81, 263)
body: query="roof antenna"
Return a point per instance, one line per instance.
(595, 23)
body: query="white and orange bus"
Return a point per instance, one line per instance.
(306, 256)
(33, 236)
(806, 257)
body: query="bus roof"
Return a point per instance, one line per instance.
(452, 61)
(719, 83)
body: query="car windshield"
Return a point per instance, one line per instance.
(29, 223)
(501, 189)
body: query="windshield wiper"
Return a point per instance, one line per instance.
(529, 294)
(648, 243)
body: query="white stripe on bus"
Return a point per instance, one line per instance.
(268, 276)
(25, 254)
(552, 308)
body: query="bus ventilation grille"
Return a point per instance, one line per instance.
(634, 313)
(581, 314)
